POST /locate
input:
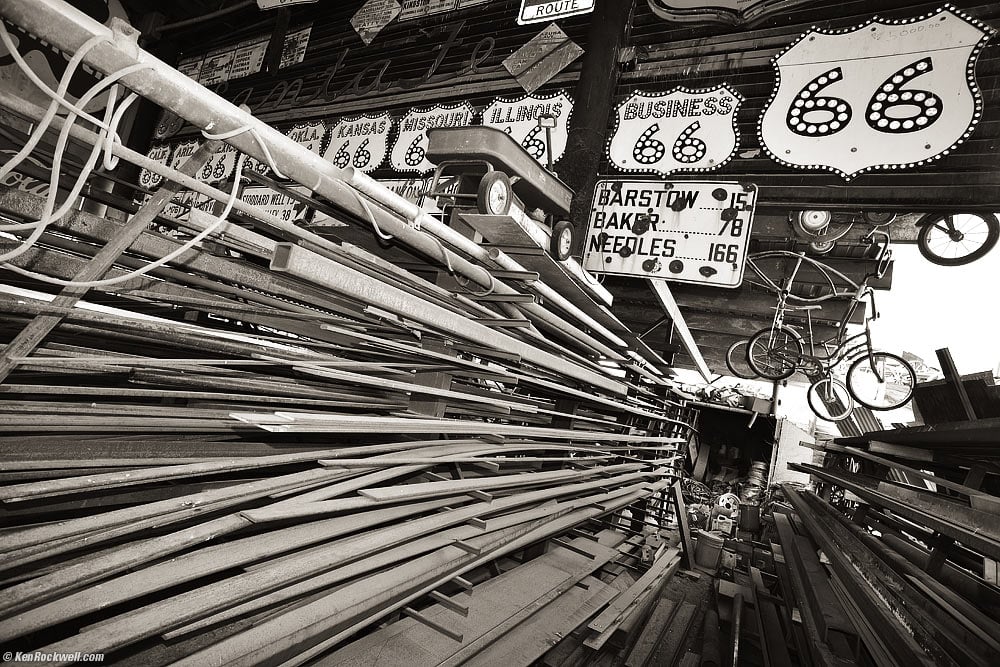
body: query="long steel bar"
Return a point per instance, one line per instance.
(68, 29)
(315, 268)
(384, 219)
(30, 336)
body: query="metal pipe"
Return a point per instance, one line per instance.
(204, 17)
(68, 29)
(411, 211)
(384, 219)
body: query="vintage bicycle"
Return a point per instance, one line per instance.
(946, 239)
(876, 379)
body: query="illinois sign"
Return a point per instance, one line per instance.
(519, 118)
(682, 130)
(883, 95)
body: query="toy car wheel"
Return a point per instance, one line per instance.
(562, 240)
(495, 194)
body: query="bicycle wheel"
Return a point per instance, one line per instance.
(774, 354)
(881, 380)
(956, 239)
(736, 361)
(830, 399)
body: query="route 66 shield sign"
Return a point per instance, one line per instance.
(883, 95)
(681, 130)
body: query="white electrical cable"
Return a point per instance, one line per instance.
(174, 254)
(48, 215)
(57, 95)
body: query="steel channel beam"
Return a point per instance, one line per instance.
(307, 265)
(384, 219)
(68, 29)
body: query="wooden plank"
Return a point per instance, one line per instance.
(954, 378)
(615, 614)
(682, 524)
(525, 643)
(651, 634)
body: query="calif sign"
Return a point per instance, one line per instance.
(883, 95)
(534, 11)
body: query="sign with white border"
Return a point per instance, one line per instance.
(680, 130)
(361, 142)
(536, 11)
(519, 118)
(684, 231)
(882, 95)
(409, 153)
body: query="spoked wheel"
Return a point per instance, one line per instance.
(774, 354)
(736, 361)
(881, 381)
(830, 399)
(959, 238)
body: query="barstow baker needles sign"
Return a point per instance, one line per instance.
(686, 231)
(535, 11)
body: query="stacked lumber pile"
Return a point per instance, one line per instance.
(224, 464)
(896, 559)
(240, 458)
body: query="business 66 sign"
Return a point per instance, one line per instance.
(681, 130)
(886, 94)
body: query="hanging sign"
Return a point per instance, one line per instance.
(682, 130)
(519, 118)
(732, 12)
(544, 56)
(687, 231)
(415, 9)
(883, 95)
(372, 17)
(249, 57)
(216, 66)
(182, 152)
(280, 205)
(220, 165)
(275, 4)
(310, 135)
(160, 154)
(361, 142)
(533, 11)
(293, 51)
(409, 153)
(191, 67)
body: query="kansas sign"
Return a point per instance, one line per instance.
(883, 95)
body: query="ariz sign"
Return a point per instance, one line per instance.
(535, 11)
(883, 95)
(683, 130)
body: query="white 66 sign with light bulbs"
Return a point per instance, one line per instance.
(883, 95)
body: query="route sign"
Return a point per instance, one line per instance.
(685, 231)
(533, 11)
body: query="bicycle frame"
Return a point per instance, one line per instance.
(843, 347)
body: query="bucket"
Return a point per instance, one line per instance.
(750, 518)
(709, 548)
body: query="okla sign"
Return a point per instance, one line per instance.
(535, 11)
